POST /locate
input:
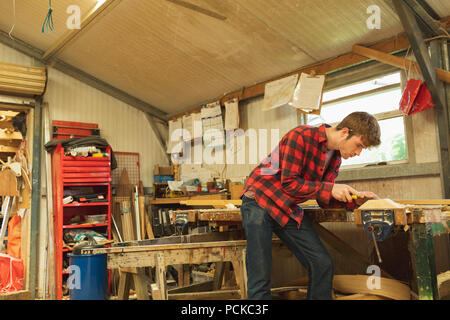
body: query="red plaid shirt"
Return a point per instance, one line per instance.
(294, 173)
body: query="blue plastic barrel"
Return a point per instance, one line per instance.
(88, 277)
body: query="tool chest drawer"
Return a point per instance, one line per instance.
(76, 170)
(81, 170)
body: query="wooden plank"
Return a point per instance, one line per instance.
(398, 62)
(173, 257)
(8, 149)
(8, 183)
(16, 135)
(360, 296)
(234, 215)
(142, 215)
(306, 203)
(148, 225)
(161, 265)
(16, 295)
(207, 295)
(189, 238)
(196, 287)
(127, 228)
(210, 202)
(389, 288)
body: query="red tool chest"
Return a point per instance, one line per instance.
(70, 175)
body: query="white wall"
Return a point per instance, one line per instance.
(124, 127)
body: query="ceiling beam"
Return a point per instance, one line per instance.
(430, 26)
(419, 48)
(82, 76)
(92, 17)
(427, 65)
(398, 62)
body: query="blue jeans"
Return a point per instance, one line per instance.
(304, 243)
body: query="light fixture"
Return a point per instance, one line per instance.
(99, 3)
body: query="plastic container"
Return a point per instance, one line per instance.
(88, 277)
(98, 218)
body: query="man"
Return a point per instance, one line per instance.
(303, 166)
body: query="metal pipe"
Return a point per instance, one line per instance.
(35, 197)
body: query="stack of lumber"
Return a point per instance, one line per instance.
(22, 80)
(361, 287)
(10, 139)
(125, 191)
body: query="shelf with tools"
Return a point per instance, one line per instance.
(82, 204)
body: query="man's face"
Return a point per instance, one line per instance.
(351, 147)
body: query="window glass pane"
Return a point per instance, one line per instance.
(392, 147)
(374, 103)
(361, 87)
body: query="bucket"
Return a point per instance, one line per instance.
(88, 277)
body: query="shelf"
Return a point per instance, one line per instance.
(69, 173)
(90, 204)
(70, 158)
(85, 184)
(86, 225)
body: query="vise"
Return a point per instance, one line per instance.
(379, 222)
(380, 218)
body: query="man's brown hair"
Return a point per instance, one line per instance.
(362, 124)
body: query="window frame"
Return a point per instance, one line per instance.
(379, 116)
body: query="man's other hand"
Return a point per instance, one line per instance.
(343, 192)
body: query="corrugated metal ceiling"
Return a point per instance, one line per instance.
(175, 58)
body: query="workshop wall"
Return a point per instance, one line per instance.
(124, 127)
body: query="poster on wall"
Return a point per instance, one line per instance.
(212, 125)
(278, 93)
(232, 114)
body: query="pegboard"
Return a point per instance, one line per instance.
(129, 161)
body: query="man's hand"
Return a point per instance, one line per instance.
(363, 196)
(343, 192)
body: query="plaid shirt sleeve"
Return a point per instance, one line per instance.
(330, 177)
(292, 157)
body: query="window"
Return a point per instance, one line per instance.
(380, 97)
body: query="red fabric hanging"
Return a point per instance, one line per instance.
(14, 237)
(415, 98)
(11, 273)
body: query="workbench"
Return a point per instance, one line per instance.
(422, 220)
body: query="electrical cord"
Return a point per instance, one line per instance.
(48, 22)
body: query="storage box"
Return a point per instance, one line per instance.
(235, 190)
(164, 171)
(162, 178)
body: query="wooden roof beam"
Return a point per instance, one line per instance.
(328, 66)
(398, 62)
(93, 16)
